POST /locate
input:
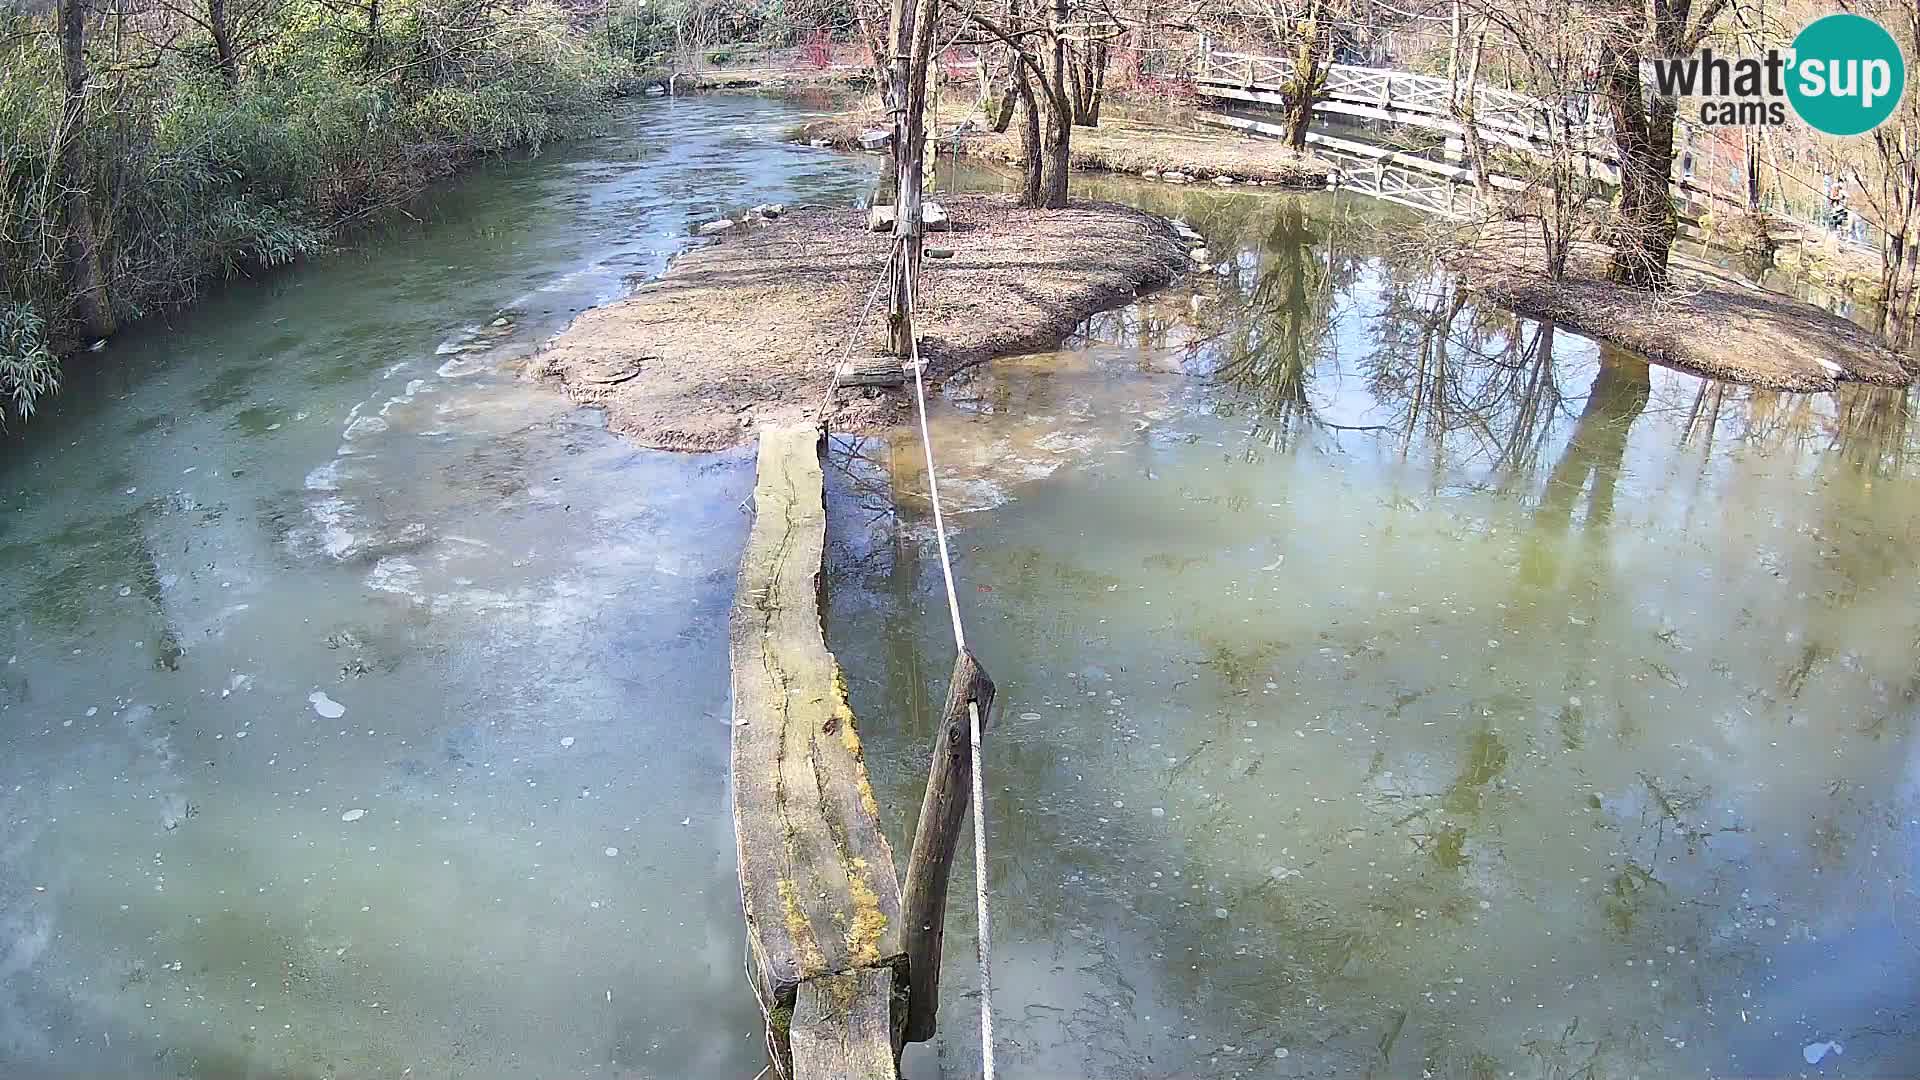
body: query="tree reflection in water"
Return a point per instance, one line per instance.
(1272, 352)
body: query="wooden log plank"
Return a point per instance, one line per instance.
(843, 1027)
(816, 874)
(873, 371)
(935, 839)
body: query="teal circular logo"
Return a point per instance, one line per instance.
(1847, 74)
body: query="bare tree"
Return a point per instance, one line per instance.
(1634, 31)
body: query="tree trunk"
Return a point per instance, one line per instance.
(1463, 107)
(222, 32)
(1309, 79)
(1088, 77)
(92, 308)
(1053, 188)
(907, 96)
(1101, 58)
(1089, 81)
(1031, 165)
(1643, 139)
(1009, 99)
(372, 53)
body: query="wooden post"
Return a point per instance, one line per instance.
(923, 904)
(913, 43)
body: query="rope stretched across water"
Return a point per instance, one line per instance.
(984, 939)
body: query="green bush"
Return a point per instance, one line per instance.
(28, 369)
(193, 180)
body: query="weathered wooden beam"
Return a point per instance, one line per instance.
(942, 813)
(843, 1027)
(816, 874)
(873, 371)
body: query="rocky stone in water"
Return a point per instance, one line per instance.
(326, 706)
(712, 227)
(353, 815)
(768, 210)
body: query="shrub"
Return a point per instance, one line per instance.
(28, 369)
(192, 179)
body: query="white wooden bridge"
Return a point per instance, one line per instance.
(1503, 118)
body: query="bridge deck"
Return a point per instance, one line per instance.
(816, 874)
(1503, 117)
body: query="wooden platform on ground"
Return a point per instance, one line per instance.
(817, 879)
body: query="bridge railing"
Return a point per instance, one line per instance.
(1392, 91)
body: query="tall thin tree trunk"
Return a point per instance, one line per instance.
(222, 32)
(1102, 56)
(913, 39)
(1009, 99)
(92, 308)
(1087, 70)
(374, 49)
(1053, 188)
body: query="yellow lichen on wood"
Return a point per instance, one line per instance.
(863, 937)
(799, 928)
(850, 738)
(816, 871)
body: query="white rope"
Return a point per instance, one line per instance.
(984, 940)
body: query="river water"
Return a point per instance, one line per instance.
(498, 846)
(1388, 687)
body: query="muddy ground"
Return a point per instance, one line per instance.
(1708, 321)
(1120, 145)
(748, 329)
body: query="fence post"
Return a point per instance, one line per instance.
(943, 811)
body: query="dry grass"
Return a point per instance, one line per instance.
(1127, 146)
(1708, 321)
(746, 331)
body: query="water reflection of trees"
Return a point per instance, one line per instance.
(1868, 428)
(1591, 462)
(1270, 350)
(1470, 383)
(1305, 277)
